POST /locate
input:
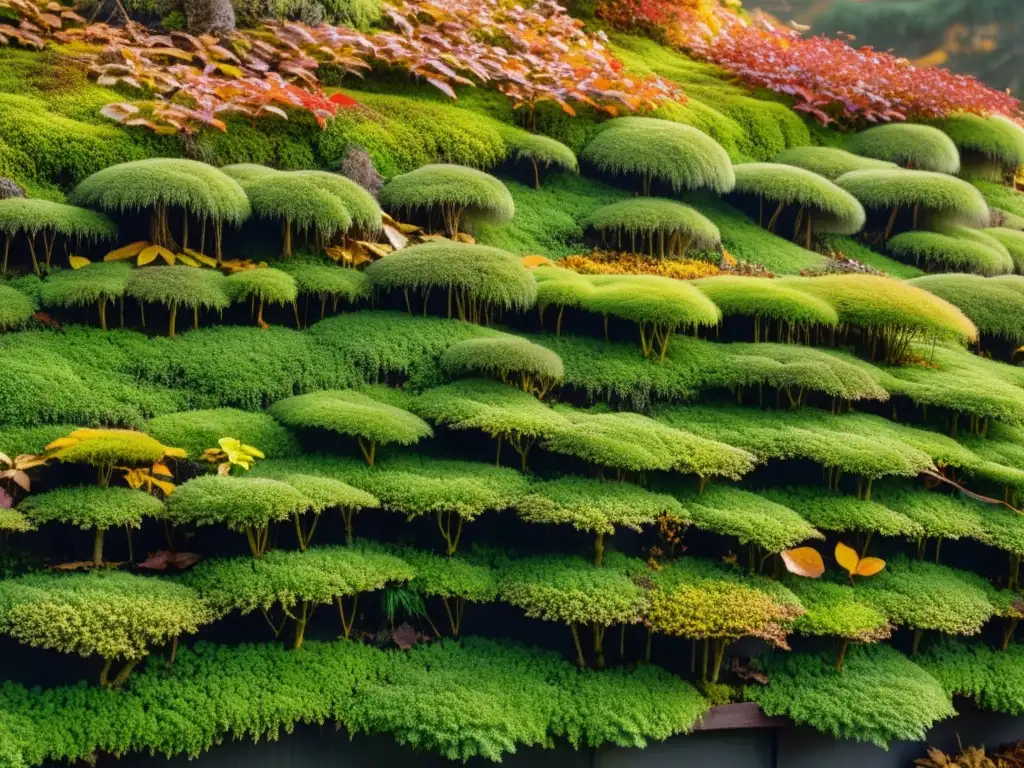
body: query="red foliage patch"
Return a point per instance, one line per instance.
(827, 78)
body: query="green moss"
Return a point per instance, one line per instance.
(879, 303)
(179, 286)
(21, 215)
(195, 431)
(360, 14)
(832, 208)
(265, 286)
(64, 151)
(761, 298)
(113, 615)
(835, 609)
(452, 192)
(95, 283)
(746, 241)
(833, 511)
(660, 150)
(547, 219)
(481, 279)
(748, 517)
(1013, 241)
(931, 193)
(90, 507)
(996, 309)
(879, 696)
(245, 173)
(1001, 197)
(540, 151)
(106, 447)
(657, 221)
(328, 283)
(920, 147)
(239, 503)
(990, 678)
(830, 162)
(948, 253)
(505, 357)
(360, 204)
(197, 187)
(293, 580)
(353, 414)
(16, 308)
(923, 595)
(298, 203)
(991, 147)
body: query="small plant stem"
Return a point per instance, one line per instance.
(581, 660)
(647, 647)
(916, 645)
(369, 450)
(97, 547)
(599, 549)
(171, 323)
(841, 656)
(599, 631)
(720, 645)
(103, 313)
(346, 516)
(347, 621)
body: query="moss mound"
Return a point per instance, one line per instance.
(833, 209)
(935, 193)
(670, 227)
(830, 162)
(919, 147)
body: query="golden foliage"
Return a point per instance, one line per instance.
(611, 263)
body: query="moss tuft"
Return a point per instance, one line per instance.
(918, 147)
(830, 162)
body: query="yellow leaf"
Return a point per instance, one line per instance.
(77, 262)
(164, 485)
(535, 261)
(230, 70)
(804, 561)
(188, 261)
(152, 253)
(175, 453)
(127, 252)
(847, 558)
(162, 469)
(202, 258)
(256, 452)
(869, 566)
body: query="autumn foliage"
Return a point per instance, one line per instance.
(534, 55)
(828, 79)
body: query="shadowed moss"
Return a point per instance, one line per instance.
(832, 511)
(667, 227)
(997, 309)
(949, 253)
(829, 207)
(761, 298)
(1013, 241)
(918, 147)
(300, 204)
(195, 431)
(928, 193)
(179, 286)
(990, 147)
(358, 203)
(540, 152)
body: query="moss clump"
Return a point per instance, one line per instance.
(828, 208)
(767, 299)
(1013, 241)
(676, 155)
(453, 191)
(299, 204)
(245, 504)
(261, 287)
(179, 286)
(330, 284)
(834, 609)
(162, 186)
(16, 308)
(244, 173)
(195, 431)
(103, 448)
(879, 696)
(596, 506)
(748, 517)
(890, 311)
(666, 227)
(923, 595)
(922, 192)
(32, 218)
(948, 253)
(353, 414)
(540, 152)
(991, 678)
(997, 309)
(512, 359)
(918, 147)
(830, 162)
(833, 511)
(360, 204)
(477, 279)
(990, 147)
(97, 284)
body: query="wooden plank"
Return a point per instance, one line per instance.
(742, 715)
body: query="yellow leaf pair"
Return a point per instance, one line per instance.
(807, 562)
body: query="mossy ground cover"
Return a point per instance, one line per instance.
(470, 437)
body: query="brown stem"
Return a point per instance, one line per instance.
(581, 660)
(97, 547)
(173, 321)
(841, 656)
(599, 549)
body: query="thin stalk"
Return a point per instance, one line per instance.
(581, 660)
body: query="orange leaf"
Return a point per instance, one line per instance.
(62, 442)
(804, 561)
(869, 566)
(77, 262)
(847, 558)
(152, 253)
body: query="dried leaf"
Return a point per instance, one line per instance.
(804, 561)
